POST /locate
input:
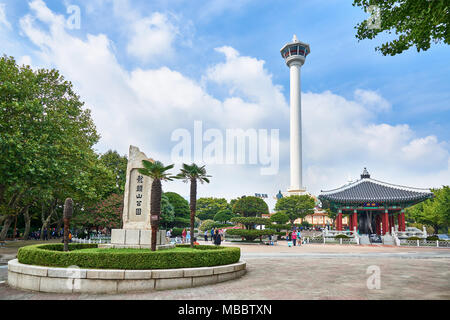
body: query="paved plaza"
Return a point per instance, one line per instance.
(308, 272)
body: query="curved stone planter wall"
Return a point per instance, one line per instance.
(62, 280)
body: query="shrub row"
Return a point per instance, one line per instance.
(51, 255)
(250, 234)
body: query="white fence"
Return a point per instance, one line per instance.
(425, 243)
(92, 240)
(330, 240)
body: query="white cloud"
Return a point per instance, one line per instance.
(143, 106)
(152, 37)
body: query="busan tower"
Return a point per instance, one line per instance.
(295, 53)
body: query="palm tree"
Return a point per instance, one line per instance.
(192, 173)
(158, 172)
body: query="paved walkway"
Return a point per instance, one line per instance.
(309, 272)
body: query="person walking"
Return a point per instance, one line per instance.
(168, 235)
(183, 234)
(212, 234)
(299, 237)
(206, 235)
(294, 237)
(188, 237)
(217, 238)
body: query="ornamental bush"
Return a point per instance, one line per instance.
(432, 238)
(414, 238)
(90, 256)
(250, 221)
(341, 236)
(250, 234)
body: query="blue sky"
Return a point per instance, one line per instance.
(360, 108)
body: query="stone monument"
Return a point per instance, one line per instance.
(136, 231)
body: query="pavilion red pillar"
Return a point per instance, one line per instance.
(350, 222)
(385, 222)
(355, 220)
(339, 222)
(402, 219)
(392, 222)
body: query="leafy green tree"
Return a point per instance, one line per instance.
(118, 165)
(167, 212)
(181, 210)
(207, 208)
(157, 172)
(250, 207)
(433, 212)
(416, 22)
(224, 215)
(280, 217)
(207, 225)
(46, 143)
(193, 173)
(296, 206)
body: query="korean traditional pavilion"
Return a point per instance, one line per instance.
(372, 206)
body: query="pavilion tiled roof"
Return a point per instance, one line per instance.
(371, 190)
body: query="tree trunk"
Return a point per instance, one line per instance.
(46, 221)
(155, 210)
(27, 218)
(193, 205)
(6, 226)
(66, 234)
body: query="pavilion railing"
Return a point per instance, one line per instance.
(425, 243)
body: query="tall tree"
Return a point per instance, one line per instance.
(296, 206)
(433, 212)
(207, 208)
(118, 165)
(193, 173)
(416, 22)
(181, 210)
(157, 172)
(250, 207)
(46, 140)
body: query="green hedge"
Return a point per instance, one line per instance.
(251, 220)
(250, 234)
(52, 255)
(341, 236)
(279, 226)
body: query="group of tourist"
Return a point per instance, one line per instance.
(216, 236)
(47, 234)
(294, 236)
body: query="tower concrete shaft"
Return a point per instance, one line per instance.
(294, 54)
(296, 127)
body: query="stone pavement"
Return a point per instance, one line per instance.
(308, 272)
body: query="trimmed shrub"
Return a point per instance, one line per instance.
(341, 236)
(89, 256)
(414, 238)
(432, 238)
(251, 220)
(279, 226)
(250, 234)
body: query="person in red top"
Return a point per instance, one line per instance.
(183, 234)
(294, 237)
